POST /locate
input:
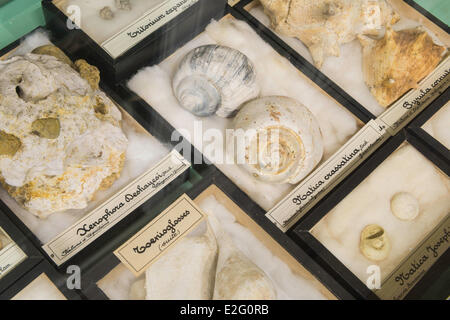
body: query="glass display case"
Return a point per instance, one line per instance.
(271, 153)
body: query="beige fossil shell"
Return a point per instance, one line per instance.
(137, 290)
(9, 144)
(237, 277)
(106, 13)
(323, 25)
(374, 243)
(214, 79)
(398, 61)
(405, 206)
(184, 272)
(282, 141)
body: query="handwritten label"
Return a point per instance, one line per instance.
(328, 175)
(149, 23)
(10, 254)
(143, 249)
(410, 105)
(397, 285)
(100, 220)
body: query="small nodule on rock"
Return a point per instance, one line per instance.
(48, 128)
(374, 244)
(90, 73)
(54, 51)
(106, 13)
(9, 144)
(405, 206)
(123, 5)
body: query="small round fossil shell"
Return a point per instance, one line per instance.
(54, 51)
(405, 206)
(106, 13)
(214, 79)
(48, 128)
(374, 243)
(282, 139)
(9, 144)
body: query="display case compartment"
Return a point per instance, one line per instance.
(43, 282)
(153, 126)
(119, 64)
(248, 215)
(435, 276)
(18, 255)
(347, 80)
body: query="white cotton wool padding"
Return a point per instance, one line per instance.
(439, 126)
(275, 75)
(406, 170)
(143, 152)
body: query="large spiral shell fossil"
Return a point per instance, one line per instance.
(323, 25)
(397, 62)
(282, 139)
(215, 79)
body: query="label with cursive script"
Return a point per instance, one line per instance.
(397, 285)
(286, 213)
(147, 24)
(410, 105)
(144, 248)
(10, 254)
(108, 214)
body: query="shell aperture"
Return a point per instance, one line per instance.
(282, 139)
(214, 79)
(374, 243)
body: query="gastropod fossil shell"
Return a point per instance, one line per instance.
(405, 206)
(397, 62)
(106, 13)
(282, 139)
(214, 79)
(123, 5)
(323, 25)
(88, 72)
(374, 243)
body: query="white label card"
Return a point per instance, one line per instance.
(101, 219)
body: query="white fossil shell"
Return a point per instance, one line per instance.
(374, 243)
(283, 142)
(185, 272)
(215, 79)
(405, 206)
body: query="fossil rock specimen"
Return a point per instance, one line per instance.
(215, 79)
(283, 141)
(54, 51)
(397, 62)
(374, 243)
(55, 149)
(323, 25)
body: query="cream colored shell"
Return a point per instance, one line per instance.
(323, 25)
(405, 206)
(374, 243)
(67, 148)
(279, 139)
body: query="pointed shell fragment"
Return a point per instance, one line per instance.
(214, 79)
(281, 137)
